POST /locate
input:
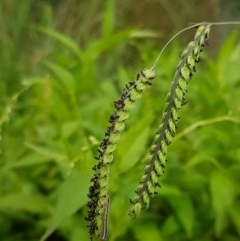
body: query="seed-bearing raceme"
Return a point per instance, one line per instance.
(98, 205)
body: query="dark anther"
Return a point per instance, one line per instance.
(148, 82)
(97, 158)
(138, 76)
(184, 102)
(158, 174)
(131, 99)
(119, 104)
(99, 166)
(143, 74)
(104, 143)
(110, 129)
(139, 91)
(131, 83)
(100, 151)
(113, 117)
(93, 179)
(136, 192)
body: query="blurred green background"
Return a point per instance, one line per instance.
(62, 64)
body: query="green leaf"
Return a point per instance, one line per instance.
(66, 77)
(118, 214)
(70, 128)
(234, 213)
(130, 157)
(47, 152)
(106, 44)
(133, 143)
(66, 41)
(30, 160)
(23, 202)
(184, 212)
(222, 192)
(147, 231)
(72, 196)
(170, 226)
(108, 18)
(228, 46)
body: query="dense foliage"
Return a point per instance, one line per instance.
(56, 98)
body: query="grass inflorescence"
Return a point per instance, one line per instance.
(156, 158)
(98, 205)
(98, 192)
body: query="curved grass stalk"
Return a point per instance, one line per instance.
(207, 122)
(156, 158)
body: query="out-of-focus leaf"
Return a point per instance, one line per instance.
(170, 190)
(234, 213)
(147, 231)
(133, 143)
(108, 18)
(23, 202)
(66, 41)
(131, 155)
(222, 193)
(30, 160)
(99, 46)
(63, 74)
(228, 46)
(118, 214)
(72, 196)
(184, 211)
(69, 128)
(170, 226)
(46, 151)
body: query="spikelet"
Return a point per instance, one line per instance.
(175, 99)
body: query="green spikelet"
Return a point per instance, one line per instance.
(98, 191)
(156, 160)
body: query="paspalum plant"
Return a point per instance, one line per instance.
(99, 197)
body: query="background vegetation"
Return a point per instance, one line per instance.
(62, 64)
